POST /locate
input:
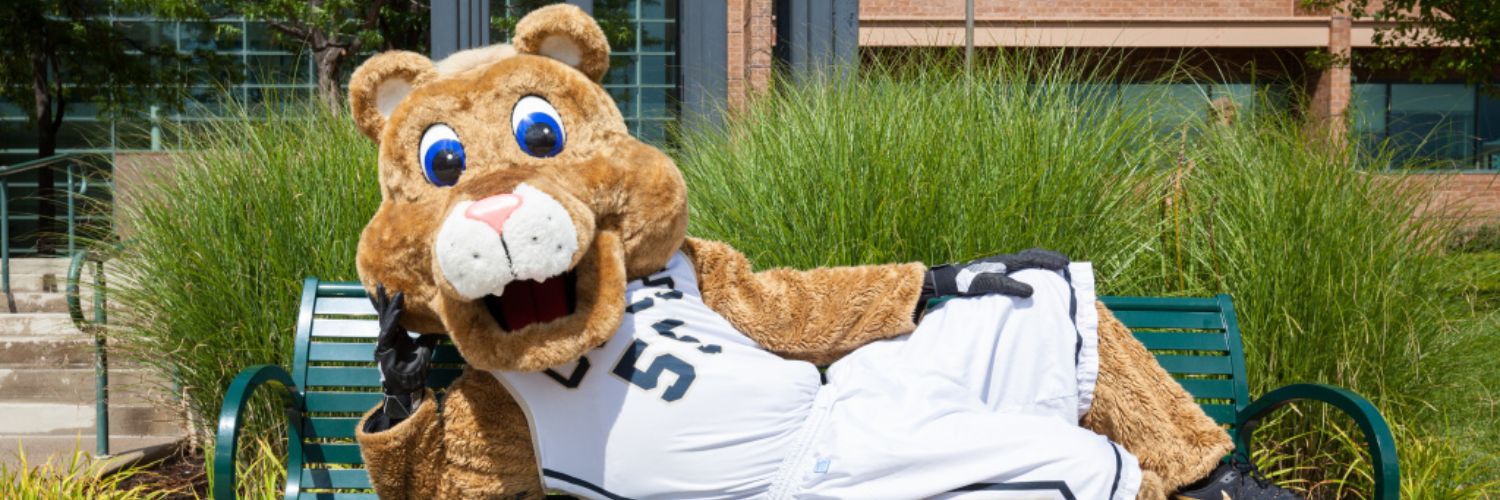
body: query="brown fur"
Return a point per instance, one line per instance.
(1139, 406)
(477, 447)
(817, 315)
(628, 202)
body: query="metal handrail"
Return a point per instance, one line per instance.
(70, 163)
(97, 329)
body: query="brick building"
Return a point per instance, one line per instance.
(1246, 45)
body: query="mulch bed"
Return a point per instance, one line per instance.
(181, 475)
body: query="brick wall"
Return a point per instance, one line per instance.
(1476, 197)
(1028, 9)
(751, 35)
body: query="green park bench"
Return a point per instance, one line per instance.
(333, 381)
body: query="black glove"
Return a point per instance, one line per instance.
(403, 362)
(986, 276)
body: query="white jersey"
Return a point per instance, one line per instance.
(678, 403)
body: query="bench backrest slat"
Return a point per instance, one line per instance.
(1195, 339)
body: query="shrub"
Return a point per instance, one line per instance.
(210, 273)
(1337, 276)
(1482, 238)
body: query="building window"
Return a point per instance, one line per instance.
(1433, 126)
(644, 71)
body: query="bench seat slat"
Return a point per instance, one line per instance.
(336, 479)
(1209, 388)
(345, 328)
(1161, 319)
(1197, 365)
(344, 306)
(1183, 341)
(1183, 304)
(1223, 414)
(365, 352)
(341, 402)
(325, 495)
(332, 427)
(332, 453)
(358, 376)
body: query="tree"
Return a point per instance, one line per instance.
(333, 30)
(64, 52)
(1432, 38)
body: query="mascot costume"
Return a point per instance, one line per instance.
(612, 356)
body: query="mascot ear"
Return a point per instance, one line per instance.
(381, 83)
(565, 33)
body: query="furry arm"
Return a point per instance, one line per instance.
(816, 315)
(477, 445)
(1138, 405)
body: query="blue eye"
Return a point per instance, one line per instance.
(442, 155)
(538, 128)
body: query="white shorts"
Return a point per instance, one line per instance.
(981, 401)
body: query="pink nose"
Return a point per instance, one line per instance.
(494, 210)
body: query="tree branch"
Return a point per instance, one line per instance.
(59, 100)
(298, 32)
(371, 21)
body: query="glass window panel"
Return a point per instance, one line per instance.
(1488, 127)
(1172, 104)
(8, 109)
(658, 37)
(281, 68)
(17, 134)
(651, 131)
(1369, 108)
(658, 9)
(656, 103)
(83, 134)
(145, 32)
(260, 36)
(206, 101)
(658, 70)
(624, 98)
(1433, 121)
(1241, 94)
(621, 70)
(133, 134)
(82, 109)
(216, 36)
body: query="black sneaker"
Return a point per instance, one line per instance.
(1236, 480)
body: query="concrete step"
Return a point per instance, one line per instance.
(50, 351)
(64, 419)
(39, 265)
(38, 282)
(76, 386)
(40, 449)
(48, 302)
(45, 324)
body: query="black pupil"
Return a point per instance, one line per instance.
(447, 165)
(540, 138)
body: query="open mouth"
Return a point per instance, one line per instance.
(524, 302)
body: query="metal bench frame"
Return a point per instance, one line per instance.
(333, 381)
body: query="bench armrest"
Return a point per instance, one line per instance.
(1378, 439)
(233, 410)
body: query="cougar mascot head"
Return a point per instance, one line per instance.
(515, 204)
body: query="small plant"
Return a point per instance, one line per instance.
(1482, 238)
(72, 477)
(263, 475)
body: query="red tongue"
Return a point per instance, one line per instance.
(527, 302)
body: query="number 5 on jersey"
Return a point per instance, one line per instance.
(651, 376)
